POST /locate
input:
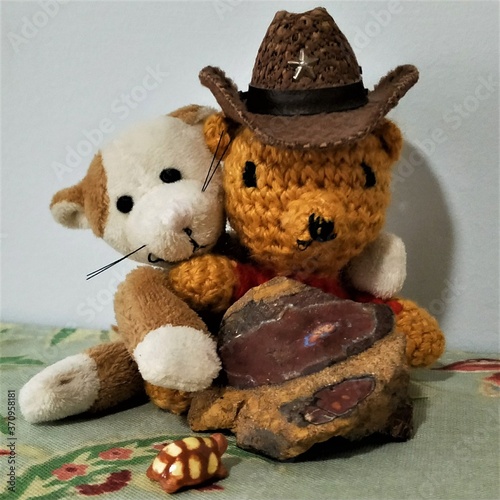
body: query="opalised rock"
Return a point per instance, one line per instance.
(295, 330)
(358, 388)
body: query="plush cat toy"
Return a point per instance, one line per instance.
(143, 195)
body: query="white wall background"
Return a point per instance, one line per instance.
(60, 79)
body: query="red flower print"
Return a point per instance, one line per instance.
(116, 454)
(69, 471)
(494, 379)
(114, 482)
(159, 446)
(491, 385)
(473, 365)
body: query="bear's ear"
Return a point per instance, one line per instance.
(67, 207)
(390, 138)
(192, 114)
(218, 132)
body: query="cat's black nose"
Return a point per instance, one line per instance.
(321, 229)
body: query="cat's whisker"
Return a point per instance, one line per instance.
(106, 267)
(206, 181)
(206, 184)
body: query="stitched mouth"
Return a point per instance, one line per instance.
(153, 259)
(196, 245)
(304, 244)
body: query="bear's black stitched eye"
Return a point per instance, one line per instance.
(369, 174)
(249, 177)
(125, 204)
(170, 175)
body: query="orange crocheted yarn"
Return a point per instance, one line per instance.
(306, 213)
(272, 217)
(206, 282)
(168, 399)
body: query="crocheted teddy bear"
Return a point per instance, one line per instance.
(308, 154)
(299, 217)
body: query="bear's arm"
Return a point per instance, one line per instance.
(206, 283)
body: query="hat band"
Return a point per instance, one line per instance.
(305, 102)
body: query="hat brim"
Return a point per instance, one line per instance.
(312, 131)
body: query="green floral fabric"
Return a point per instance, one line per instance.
(453, 455)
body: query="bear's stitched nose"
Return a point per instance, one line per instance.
(321, 229)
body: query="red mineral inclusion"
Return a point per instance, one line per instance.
(338, 400)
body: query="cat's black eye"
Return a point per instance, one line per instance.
(249, 176)
(369, 175)
(170, 175)
(125, 204)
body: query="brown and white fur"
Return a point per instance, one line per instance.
(163, 341)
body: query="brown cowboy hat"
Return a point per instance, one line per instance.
(306, 89)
